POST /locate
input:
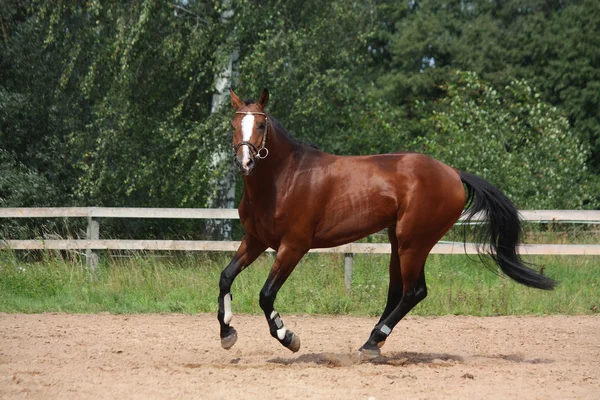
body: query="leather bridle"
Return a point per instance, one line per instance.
(261, 152)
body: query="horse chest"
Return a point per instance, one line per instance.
(263, 226)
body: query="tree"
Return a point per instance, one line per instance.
(144, 71)
(35, 118)
(514, 139)
(224, 195)
(552, 44)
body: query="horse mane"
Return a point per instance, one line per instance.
(292, 139)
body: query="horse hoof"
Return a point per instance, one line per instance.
(365, 354)
(294, 345)
(229, 341)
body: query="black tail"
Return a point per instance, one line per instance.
(500, 236)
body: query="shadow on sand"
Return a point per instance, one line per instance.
(404, 358)
(393, 358)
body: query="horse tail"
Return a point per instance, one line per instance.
(499, 237)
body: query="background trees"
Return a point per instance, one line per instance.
(553, 44)
(109, 102)
(513, 139)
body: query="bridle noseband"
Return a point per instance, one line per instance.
(261, 152)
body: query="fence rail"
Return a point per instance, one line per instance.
(573, 216)
(93, 241)
(212, 245)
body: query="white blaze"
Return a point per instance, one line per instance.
(227, 305)
(247, 129)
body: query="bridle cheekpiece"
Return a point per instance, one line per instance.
(261, 152)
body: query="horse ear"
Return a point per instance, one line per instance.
(236, 102)
(264, 99)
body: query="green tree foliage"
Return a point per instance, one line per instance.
(36, 165)
(107, 103)
(553, 44)
(515, 140)
(144, 70)
(311, 55)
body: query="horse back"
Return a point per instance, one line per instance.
(361, 195)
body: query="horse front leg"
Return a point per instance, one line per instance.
(249, 250)
(286, 261)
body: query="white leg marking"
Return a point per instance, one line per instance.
(227, 304)
(247, 129)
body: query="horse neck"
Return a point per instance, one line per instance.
(271, 174)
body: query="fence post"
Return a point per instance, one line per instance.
(348, 270)
(91, 258)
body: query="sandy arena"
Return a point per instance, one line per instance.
(179, 356)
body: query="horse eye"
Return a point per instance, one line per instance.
(261, 126)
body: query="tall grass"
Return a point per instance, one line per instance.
(188, 283)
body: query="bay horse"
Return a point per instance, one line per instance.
(297, 198)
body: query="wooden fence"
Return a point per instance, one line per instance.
(94, 214)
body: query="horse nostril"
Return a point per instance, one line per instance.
(249, 164)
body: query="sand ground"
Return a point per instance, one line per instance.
(171, 356)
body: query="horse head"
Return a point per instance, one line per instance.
(250, 131)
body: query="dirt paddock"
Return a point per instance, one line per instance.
(178, 356)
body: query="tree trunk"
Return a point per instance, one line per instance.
(224, 195)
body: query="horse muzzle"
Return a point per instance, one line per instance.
(245, 166)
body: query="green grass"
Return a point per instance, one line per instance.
(188, 283)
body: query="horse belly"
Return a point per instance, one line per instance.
(347, 224)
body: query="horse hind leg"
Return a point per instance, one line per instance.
(395, 287)
(414, 290)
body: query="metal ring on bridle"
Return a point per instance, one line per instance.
(262, 157)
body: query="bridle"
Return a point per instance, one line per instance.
(261, 152)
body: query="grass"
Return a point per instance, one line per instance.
(188, 283)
